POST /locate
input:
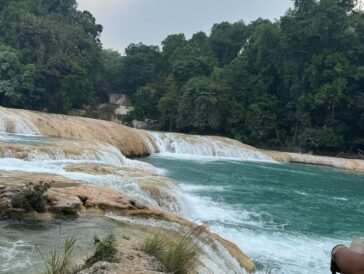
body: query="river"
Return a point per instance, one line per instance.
(287, 217)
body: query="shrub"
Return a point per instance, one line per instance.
(32, 197)
(60, 263)
(105, 250)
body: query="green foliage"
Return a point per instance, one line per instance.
(60, 262)
(154, 245)
(198, 105)
(294, 82)
(31, 197)
(105, 250)
(180, 256)
(52, 53)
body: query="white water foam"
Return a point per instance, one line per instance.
(343, 199)
(195, 147)
(14, 255)
(11, 123)
(216, 259)
(274, 249)
(68, 150)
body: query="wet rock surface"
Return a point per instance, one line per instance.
(66, 196)
(71, 197)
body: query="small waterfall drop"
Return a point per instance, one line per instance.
(11, 123)
(175, 144)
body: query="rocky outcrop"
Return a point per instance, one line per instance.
(160, 188)
(79, 128)
(71, 197)
(351, 164)
(65, 197)
(129, 259)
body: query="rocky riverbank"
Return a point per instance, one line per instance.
(133, 142)
(85, 159)
(350, 164)
(71, 198)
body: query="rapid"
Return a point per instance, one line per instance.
(286, 217)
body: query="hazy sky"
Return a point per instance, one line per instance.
(150, 21)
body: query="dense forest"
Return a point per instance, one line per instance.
(297, 82)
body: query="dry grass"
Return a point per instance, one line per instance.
(179, 256)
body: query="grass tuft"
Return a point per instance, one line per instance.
(59, 263)
(181, 255)
(153, 245)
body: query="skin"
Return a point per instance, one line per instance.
(346, 261)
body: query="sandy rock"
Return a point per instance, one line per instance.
(162, 189)
(80, 128)
(66, 196)
(101, 268)
(129, 258)
(351, 164)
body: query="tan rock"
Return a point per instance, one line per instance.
(81, 128)
(67, 196)
(160, 188)
(351, 164)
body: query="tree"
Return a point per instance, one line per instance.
(226, 40)
(141, 65)
(198, 105)
(49, 38)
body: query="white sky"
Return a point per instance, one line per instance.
(150, 21)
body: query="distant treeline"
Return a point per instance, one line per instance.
(297, 82)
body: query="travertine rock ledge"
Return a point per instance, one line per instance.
(79, 128)
(133, 142)
(65, 197)
(351, 164)
(71, 197)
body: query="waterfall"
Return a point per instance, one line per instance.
(174, 144)
(11, 123)
(33, 144)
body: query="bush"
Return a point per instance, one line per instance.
(31, 197)
(105, 250)
(182, 254)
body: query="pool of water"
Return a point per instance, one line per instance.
(27, 139)
(286, 217)
(25, 245)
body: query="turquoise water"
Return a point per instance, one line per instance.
(286, 217)
(24, 244)
(26, 139)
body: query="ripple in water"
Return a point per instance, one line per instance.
(286, 221)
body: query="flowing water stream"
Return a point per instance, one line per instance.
(286, 217)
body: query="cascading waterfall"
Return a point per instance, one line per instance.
(41, 148)
(11, 123)
(174, 144)
(24, 149)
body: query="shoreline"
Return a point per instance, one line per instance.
(137, 143)
(337, 162)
